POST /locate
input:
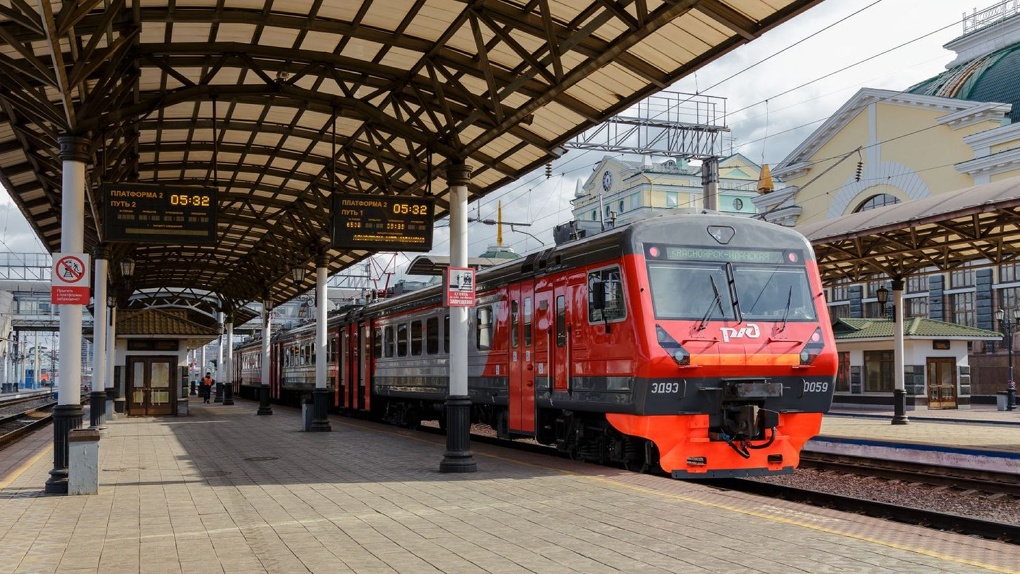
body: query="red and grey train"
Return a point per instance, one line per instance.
(697, 343)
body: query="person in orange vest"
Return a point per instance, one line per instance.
(207, 383)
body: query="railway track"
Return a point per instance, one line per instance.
(35, 415)
(961, 479)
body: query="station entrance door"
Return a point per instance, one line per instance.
(149, 385)
(942, 383)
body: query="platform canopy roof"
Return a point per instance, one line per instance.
(977, 225)
(247, 96)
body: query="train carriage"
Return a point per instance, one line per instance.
(695, 343)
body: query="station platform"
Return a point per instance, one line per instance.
(976, 438)
(225, 490)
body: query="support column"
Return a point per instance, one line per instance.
(264, 408)
(228, 367)
(111, 348)
(97, 399)
(67, 415)
(218, 371)
(458, 456)
(900, 392)
(320, 409)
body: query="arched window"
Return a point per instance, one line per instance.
(877, 201)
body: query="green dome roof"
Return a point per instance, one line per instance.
(991, 78)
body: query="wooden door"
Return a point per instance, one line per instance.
(151, 386)
(942, 383)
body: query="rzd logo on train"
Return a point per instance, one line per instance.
(751, 331)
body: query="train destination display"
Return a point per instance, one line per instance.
(383, 222)
(139, 213)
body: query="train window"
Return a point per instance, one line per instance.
(377, 342)
(527, 321)
(483, 328)
(388, 341)
(446, 334)
(416, 337)
(610, 306)
(432, 335)
(561, 321)
(514, 334)
(402, 340)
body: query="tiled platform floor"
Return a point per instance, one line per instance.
(224, 490)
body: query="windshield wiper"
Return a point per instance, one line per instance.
(715, 301)
(733, 292)
(786, 312)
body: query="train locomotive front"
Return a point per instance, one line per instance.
(737, 357)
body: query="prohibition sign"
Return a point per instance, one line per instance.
(70, 269)
(69, 283)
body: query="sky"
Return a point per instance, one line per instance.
(778, 89)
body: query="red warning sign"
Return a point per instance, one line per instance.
(69, 282)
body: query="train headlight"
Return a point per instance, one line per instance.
(813, 348)
(682, 357)
(672, 347)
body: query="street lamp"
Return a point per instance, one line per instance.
(882, 294)
(297, 273)
(1008, 328)
(127, 267)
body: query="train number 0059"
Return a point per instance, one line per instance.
(816, 387)
(666, 388)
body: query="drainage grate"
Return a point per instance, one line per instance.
(261, 458)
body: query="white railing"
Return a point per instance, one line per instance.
(989, 16)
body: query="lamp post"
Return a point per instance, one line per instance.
(1009, 328)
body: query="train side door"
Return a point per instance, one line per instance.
(559, 356)
(353, 363)
(365, 370)
(522, 357)
(544, 341)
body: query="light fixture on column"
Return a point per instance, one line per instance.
(882, 294)
(298, 274)
(127, 267)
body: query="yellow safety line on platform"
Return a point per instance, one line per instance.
(24, 467)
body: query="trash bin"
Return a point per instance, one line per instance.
(1001, 399)
(83, 461)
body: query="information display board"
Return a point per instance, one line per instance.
(382, 222)
(142, 213)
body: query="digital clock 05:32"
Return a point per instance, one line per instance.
(190, 200)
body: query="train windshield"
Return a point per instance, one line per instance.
(707, 291)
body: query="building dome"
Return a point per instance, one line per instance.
(990, 78)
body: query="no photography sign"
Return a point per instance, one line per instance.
(69, 281)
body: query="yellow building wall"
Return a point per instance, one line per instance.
(902, 134)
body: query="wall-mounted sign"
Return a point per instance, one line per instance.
(382, 222)
(940, 345)
(172, 215)
(69, 279)
(459, 287)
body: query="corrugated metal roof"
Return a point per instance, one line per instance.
(247, 96)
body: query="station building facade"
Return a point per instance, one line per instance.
(954, 131)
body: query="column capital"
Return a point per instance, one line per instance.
(458, 173)
(897, 284)
(99, 251)
(321, 260)
(74, 148)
